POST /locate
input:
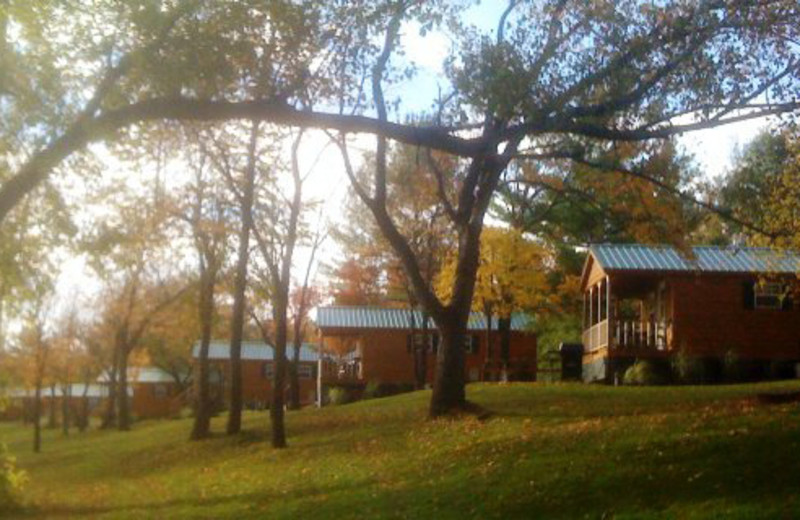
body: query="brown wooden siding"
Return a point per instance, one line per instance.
(385, 356)
(710, 318)
(256, 387)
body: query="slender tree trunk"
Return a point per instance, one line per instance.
(237, 320)
(51, 419)
(487, 311)
(37, 418)
(123, 405)
(110, 415)
(279, 372)
(202, 407)
(65, 403)
(413, 345)
(83, 419)
(505, 345)
(294, 373)
(420, 356)
(421, 353)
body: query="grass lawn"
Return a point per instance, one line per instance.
(550, 451)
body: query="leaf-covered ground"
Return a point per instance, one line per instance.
(549, 451)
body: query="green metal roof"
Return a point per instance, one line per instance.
(347, 317)
(712, 259)
(254, 351)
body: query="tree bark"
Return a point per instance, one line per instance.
(83, 419)
(276, 414)
(294, 374)
(237, 321)
(487, 312)
(124, 419)
(66, 396)
(110, 415)
(37, 418)
(504, 326)
(448, 387)
(202, 407)
(51, 418)
(421, 353)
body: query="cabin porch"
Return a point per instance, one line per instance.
(627, 315)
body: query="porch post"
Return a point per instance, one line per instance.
(583, 315)
(608, 311)
(599, 312)
(319, 369)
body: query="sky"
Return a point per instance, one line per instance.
(327, 182)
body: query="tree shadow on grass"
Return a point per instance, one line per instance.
(250, 504)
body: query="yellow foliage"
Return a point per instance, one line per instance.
(512, 275)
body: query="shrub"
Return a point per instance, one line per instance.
(12, 481)
(780, 369)
(732, 367)
(642, 373)
(687, 369)
(376, 389)
(338, 395)
(373, 390)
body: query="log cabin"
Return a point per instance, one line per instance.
(257, 366)
(380, 345)
(154, 393)
(89, 399)
(651, 302)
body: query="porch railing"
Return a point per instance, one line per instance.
(638, 334)
(596, 336)
(341, 371)
(625, 334)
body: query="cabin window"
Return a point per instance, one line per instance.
(268, 370)
(471, 344)
(305, 371)
(418, 340)
(160, 391)
(768, 295)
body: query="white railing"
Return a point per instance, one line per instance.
(596, 336)
(638, 334)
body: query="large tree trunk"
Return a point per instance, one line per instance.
(202, 406)
(37, 418)
(448, 387)
(449, 394)
(279, 370)
(237, 320)
(110, 415)
(124, 420)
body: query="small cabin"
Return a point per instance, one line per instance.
(650, 302)
(154, 393)
(379, 344)
(257, 367)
